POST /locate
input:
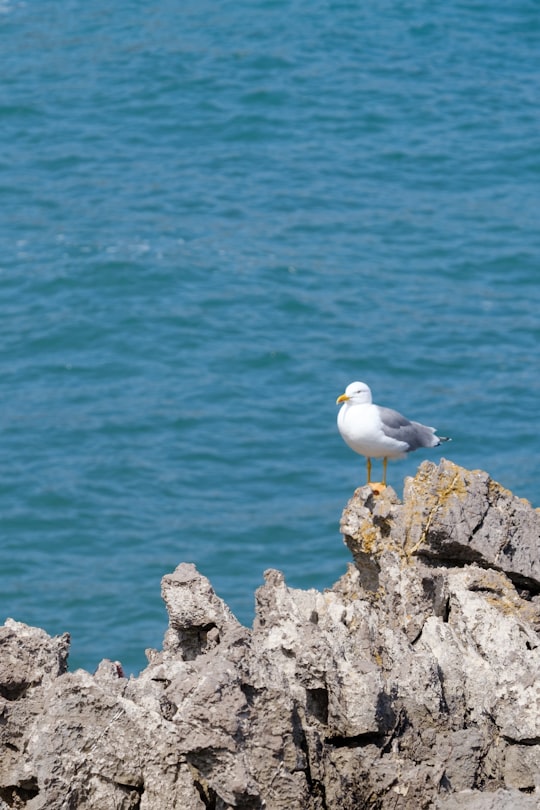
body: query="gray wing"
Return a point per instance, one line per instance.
(396, 426)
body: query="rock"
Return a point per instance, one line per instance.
(29, 657)
(498, 800)
(197, 617)
(463, 516)
(413, 683)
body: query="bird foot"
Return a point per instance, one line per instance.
(377, 486)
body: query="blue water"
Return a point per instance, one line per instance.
(214, 217)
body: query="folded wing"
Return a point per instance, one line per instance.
(396, 426)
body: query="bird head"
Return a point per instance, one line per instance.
(357, 393)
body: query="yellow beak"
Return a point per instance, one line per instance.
(342, 398)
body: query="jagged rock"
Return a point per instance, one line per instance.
(29, 657)
(499, 800)
(463, 516)
(413, 683)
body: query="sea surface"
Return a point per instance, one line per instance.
(214, 216)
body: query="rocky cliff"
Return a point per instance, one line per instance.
(413, 683)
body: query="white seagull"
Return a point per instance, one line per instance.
(376, 432)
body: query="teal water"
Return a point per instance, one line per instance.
(214, 217)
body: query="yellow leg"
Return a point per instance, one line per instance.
(369, 471)
(384, 466)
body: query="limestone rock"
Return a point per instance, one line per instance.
(413, 683)
(29, 657)
(463, 516)
(498, 800)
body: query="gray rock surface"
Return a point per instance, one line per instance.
(413, 683)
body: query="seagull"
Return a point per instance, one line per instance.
(376, 432)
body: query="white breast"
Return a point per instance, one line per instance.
(361, 428)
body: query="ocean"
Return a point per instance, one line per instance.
(215, 217)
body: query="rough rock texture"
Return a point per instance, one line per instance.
(413, 683)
